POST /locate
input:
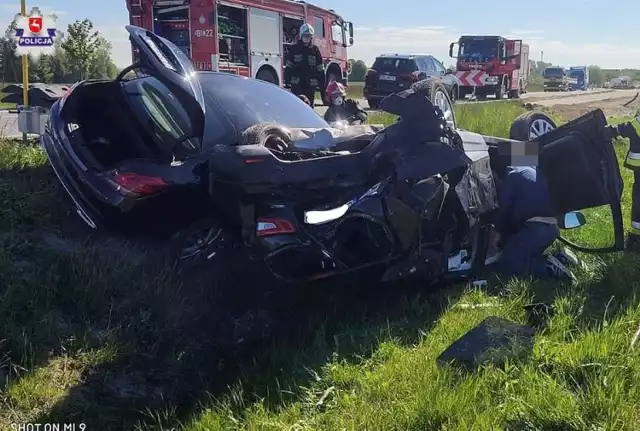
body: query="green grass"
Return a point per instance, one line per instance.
(87, 335)
(354, 90)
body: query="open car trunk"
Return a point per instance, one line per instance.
(101, 126)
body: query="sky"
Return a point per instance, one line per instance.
(579, 32)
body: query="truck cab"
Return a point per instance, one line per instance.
(555, 79)
(491, 65)
(579, 76)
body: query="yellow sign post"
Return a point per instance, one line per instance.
(25, 72)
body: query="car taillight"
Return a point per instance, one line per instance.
(371, 74)
(274, 226)
(138, 184)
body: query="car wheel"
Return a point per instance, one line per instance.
(267, 75)
(204, 241)
(502, 91)
(373, 103)
(455, 95)
(531, 125)
(439, 97)
(270, 135)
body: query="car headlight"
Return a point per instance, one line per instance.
(325, 216)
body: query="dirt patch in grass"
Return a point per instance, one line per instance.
(612, 107)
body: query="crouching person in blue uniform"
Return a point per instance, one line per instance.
(525, 226)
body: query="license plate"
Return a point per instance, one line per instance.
(387, 78)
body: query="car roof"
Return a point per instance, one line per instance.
(404, 56)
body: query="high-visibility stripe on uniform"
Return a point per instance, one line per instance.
(635, 228)
(632, 160)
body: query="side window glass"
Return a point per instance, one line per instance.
(336, 33)
(429, 65)
(438, 66)
(422, 66)
(318, 26)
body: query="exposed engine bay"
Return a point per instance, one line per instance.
(289, 144)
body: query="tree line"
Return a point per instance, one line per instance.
(597, 75)
(81, 53)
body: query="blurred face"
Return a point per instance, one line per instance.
(306, 39)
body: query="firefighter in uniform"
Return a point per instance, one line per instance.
(305, 69)
(341, 108)
(632, 162)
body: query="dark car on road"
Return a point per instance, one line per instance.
(391, 73)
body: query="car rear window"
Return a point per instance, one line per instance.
(396, 65)
(247, 102)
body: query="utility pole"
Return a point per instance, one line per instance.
(25, 72)
(541, 56)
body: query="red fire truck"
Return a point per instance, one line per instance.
(246, 37)
(491, 65)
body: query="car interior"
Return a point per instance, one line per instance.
(105, 121)
(106, 132)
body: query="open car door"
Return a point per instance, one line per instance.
(163, 60)
(580, 164)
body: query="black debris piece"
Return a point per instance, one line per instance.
(44, 95)
(492, 341)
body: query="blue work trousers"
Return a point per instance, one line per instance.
(522, 254)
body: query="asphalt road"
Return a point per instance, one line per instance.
(9, 121)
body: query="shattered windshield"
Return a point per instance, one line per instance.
(478, 50)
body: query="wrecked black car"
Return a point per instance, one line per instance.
(219, 162)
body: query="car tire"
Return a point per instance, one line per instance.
(526, 126)
(502, 90)
(266, 134)
(267, 75)
(439, 96)
(455, 94)
(373, 103)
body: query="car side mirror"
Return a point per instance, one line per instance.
(422, 76)
(572, 220)
(449, 71)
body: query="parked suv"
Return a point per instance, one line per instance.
(391, 73)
